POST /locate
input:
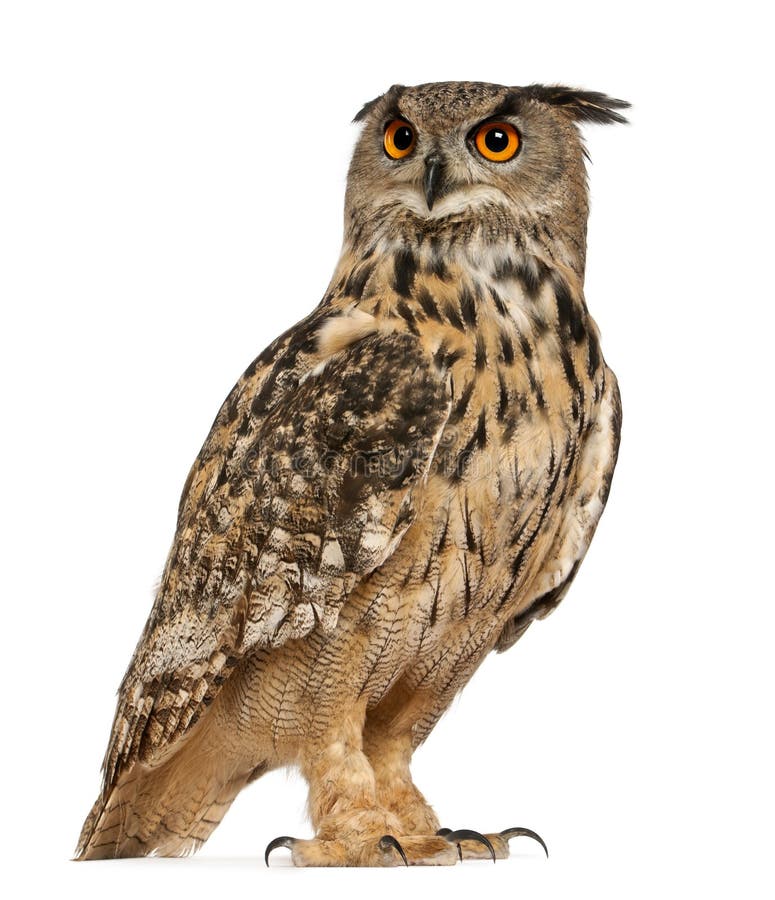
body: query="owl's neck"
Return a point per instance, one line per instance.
(480, 237)
(381, 272)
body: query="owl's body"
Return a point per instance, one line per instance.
(397, 486)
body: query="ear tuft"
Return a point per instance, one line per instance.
(582, 106)
(366, 109)
(391, 96)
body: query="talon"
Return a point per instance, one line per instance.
(283, 841)
(524, 832)
(443, 832)
(388, 840)
(465, 834)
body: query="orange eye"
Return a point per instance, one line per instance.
(399, 139)
(497, 141)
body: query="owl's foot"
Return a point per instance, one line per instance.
(443, 849)
(472, 845)
(388, 850)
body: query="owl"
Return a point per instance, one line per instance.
(397, 486)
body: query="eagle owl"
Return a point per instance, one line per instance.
(398, 485)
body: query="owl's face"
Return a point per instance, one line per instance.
(465, 153)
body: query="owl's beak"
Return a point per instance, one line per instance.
(434, 167)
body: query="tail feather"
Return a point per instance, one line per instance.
(144, 826)
(167, 810)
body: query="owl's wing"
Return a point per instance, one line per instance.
(306, 484)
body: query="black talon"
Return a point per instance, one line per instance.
(465, 834)
(443, 832)
(283, 841)
(387, 840)
(525, 832)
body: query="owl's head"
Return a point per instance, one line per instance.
(438, 158)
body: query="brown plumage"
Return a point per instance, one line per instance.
(398, 485)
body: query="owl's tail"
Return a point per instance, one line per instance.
(166, 810)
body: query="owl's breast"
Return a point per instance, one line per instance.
(526, 377)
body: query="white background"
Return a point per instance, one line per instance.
(171, 184)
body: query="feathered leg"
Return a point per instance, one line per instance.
(389, 742)
(352, 828)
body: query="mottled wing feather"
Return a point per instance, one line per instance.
(274, 532)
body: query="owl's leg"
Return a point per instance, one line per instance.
(390, 755)
(389, 742)
(352, 827)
